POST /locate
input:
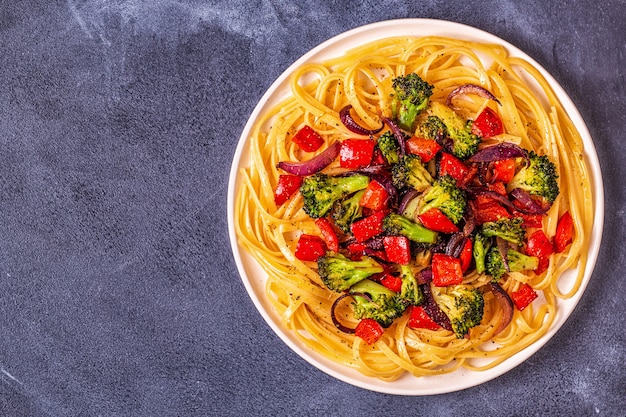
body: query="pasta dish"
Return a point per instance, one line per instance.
(414, 204)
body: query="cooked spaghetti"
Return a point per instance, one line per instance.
(532, 118)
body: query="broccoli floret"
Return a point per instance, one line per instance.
(389, 147)
(411, 172)
(339, 272)
(538, 177)
(481, 246)
(396, 224)
(347, 210)
(463, 304)
(411, 96)
(509, 229)
(380, 303)
(517, 261)
(410, 293)
(320, 191)
(445, 196)
(432, 128)
(463, 142)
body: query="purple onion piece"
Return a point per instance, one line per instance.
(470, 221)
(425, 276)
(528, 205)
(352, 125)
(505, 303)
(455, 245)
(503, 248)
(313, 165)
(336, 321)
(406, 199)
(432, 309)
(471, 89)
(397, 133)
(499, 152)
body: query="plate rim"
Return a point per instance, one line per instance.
(341, 372)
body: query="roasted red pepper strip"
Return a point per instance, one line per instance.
(368, 227)
(286, 187)
(530, 220)
(328, 233)
(498, 187)
(309, 248)
(454, 167)
(426, 149)
(487, 209)
(523, 297)
(398, 249)
(446, 270)
(392, 282)
(419, 319)
(308, 139)
(564, 232)
(466, 255)
(435, 220)
(356, 153)
(369, 330)
(540, 246)
(487, 124)
(375, 196)
(503, 170)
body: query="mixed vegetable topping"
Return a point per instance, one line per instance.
(420, 204)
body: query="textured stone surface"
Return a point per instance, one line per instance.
(120, 296)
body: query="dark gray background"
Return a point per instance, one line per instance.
(119, 295)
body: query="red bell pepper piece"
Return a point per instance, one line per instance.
(392, 282)
(375, 196)
(378, 158)
(308, 139)
(498, 187)
(309, 248)
(503, 170)
(523, 297)
(487, 209)
(435, 220)
(487, 124)
(369, 330)
(454, 167)
(564, 232)
(426, 149)
(368, 227)
(328, 233)
(286, 187)
(398, 249)
(419, 319)
(540, 246)
(466, 255)
(530, 220)
(446, 270)
(356, 153)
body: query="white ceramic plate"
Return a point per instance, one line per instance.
(254, 278)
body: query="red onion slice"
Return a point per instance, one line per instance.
(313, 165)
(336, 321)
(406, 199)
(506, 305)
(471, 89)
(503, 248)
(527, 204)
(432, 309)
(505, 150)
(397, 133)
(352, 125)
